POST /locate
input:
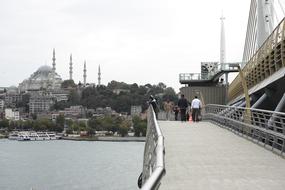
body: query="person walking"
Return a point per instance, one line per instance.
(168, 106)
(183, 105)
(152, 101)
(176, 111)
(195, 107)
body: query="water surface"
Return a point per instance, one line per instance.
(68, 165)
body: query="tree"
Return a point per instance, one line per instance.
(60, 105)
(34, 116)
(82, 126)
(4, 124)
(69, 131)
(140, 126)
(117, 85)
(161, 85)
(94, 124)
(68, 84)
(89, 91)
(103, 96)
(108, 124)
(69, 122)
(43, 125)
(75, 127)
(24, 102)
(27, 125)
(124, 127)
(74, 98)
(60, 121)
(170, 94)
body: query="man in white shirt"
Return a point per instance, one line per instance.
(195, 107)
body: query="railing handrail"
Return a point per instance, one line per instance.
(244, 108)
(153, 169)
(264, 126)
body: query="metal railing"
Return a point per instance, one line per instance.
(262, 126)
(265, 62)
(220, 68)
(153, 163)
(190, 76)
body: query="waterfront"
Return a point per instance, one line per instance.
(62, 165)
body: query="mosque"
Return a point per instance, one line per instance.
(47, 78)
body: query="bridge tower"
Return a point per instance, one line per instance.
(223, 49)
(259, 27)
(222, 42)
(263, 60)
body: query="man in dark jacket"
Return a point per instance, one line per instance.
(153, 102)
(182, 104)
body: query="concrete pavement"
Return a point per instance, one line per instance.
(203, 156)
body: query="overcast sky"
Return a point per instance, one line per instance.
(134, 41)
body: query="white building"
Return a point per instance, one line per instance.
(73, 111)
(12, 98)
(40, 103)
(136, 110)
(59, 94)
(2, 104)
(12, 115)
(54, 116)
(118, 91)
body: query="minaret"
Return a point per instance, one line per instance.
(84, 74)
(70, 68)
(99, 76)
(222, 42)
(53, 60)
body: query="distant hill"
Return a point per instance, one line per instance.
(120, 96)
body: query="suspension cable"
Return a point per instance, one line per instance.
(280, 4)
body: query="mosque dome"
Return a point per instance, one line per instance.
(44, 78)
(45, 68)
(12, 89)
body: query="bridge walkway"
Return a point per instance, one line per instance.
(205, 156)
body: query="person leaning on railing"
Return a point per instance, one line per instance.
(152, 101)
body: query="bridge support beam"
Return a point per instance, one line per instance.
(232, 111)
(259, 101)
(242, 104)
(281, 104)
(278, 108)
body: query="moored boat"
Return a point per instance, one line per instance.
(13, 136)
(23, 136)
(32, 136)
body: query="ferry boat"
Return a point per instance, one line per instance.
(52, 136)
(13, 136)
(23, 136)
(33, 136)
(20, 136)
